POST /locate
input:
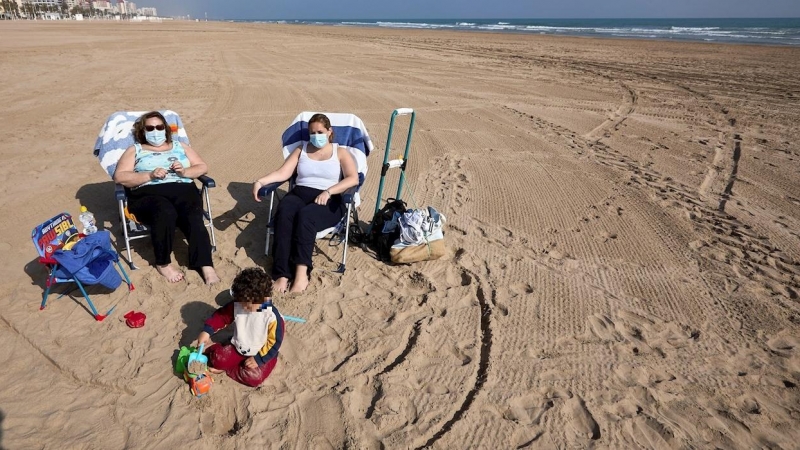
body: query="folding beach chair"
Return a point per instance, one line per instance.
(73, 258)
(351, 134)
(115, 137)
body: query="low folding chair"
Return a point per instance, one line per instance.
(60, 233)
(351, 134)
(115, 137)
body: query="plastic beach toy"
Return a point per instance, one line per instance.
(197, 363)
(135, 319)
(195, 370)
(201, 384)
(183, 359)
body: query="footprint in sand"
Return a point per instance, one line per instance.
(580, 420)
(436, 389)
(332, 352)
(527, 410)
(359, 397)
(461, 357)
(393, 413)
(603, 328)
(332, 311)
(646, 432)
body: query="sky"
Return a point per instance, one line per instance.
(472, 9)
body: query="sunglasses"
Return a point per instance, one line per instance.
(159, 127)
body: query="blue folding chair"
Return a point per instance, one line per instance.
(71, 257)
(115, 137)
(351, 134)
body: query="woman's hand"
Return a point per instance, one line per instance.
(256, 186)
(251, 363)
(178, 168)
(158, 173)
(322, 199)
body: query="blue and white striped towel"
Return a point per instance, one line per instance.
(348, 131)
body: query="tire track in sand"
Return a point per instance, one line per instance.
(483, 366)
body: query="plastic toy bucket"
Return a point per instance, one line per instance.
(182, 362)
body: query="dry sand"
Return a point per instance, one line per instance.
(624, 230)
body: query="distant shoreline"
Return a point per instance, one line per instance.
(767, 31)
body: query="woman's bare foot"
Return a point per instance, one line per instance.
(281, 284)
(172, 274)
(299, 284)
(210, 275)
(215, 371)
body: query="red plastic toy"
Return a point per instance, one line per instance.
(135, 319)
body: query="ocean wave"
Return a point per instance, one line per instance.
(414, 25)
(694, 28)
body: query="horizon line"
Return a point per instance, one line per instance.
(524, 18)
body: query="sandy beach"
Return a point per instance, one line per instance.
(623, 237)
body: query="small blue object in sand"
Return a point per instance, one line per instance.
(293, 319)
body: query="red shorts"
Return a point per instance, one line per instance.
(225, 357)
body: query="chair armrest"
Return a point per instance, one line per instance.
(207, 181)
(349, 194)
(268, 189)
(119, 192)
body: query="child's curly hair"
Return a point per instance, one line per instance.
(252, 285)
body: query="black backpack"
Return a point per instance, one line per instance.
(382, 242)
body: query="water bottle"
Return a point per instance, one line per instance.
(87, 219)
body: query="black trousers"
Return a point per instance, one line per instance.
(162, 208)
(297, 223)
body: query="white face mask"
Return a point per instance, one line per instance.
(156, 137)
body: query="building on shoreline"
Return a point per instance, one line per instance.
(63, 9)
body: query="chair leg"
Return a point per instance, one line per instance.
(124, 223)
(88, 300)
(48, 284)
(125, 274)
(210, 223)
(342, 266)
(269, 220)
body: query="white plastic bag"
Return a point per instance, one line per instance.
(418, 226)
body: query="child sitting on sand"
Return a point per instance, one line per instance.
(252, 353)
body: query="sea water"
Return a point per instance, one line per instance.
(777, 31)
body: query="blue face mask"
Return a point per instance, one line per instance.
(319, 140)
(156, 137)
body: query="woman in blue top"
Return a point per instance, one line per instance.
(158, 174)
(315, 203)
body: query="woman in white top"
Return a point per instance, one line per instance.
(314, 204)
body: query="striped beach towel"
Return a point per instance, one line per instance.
(348, 131)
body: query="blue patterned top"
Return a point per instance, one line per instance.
(148, 161)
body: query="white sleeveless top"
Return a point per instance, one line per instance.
(319, 174)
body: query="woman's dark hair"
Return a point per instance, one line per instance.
(138, 127)
(323, 119)
(252, 285)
